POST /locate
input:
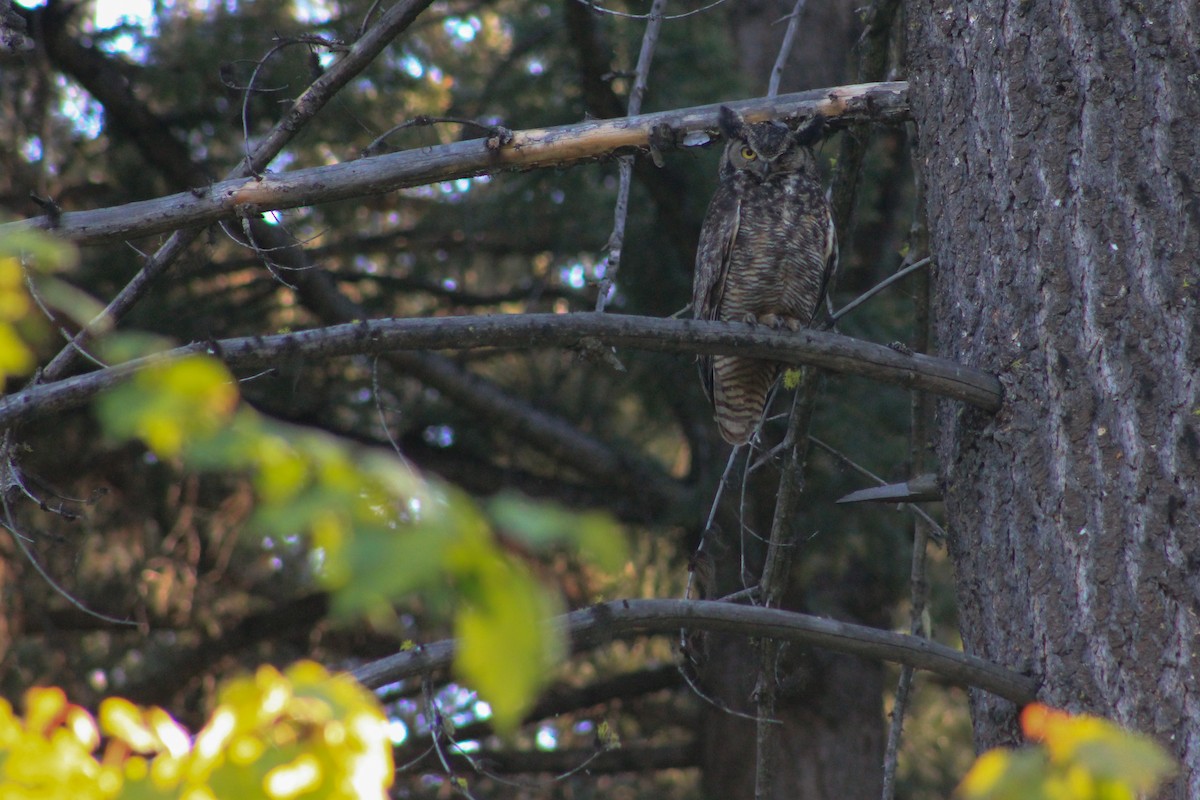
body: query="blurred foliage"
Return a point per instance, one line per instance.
(380, 531)
(28, 261)
(304, 733)
(1077, 757)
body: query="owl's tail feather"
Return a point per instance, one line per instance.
(740, 387)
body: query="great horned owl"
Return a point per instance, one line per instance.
(766, 252)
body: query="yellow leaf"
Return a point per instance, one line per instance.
(14, 299)
(15, 356)
(985, 773)
(45, 709)
(123, 720)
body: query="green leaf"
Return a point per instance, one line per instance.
(543, 526)
(506, 648)
(39, 250)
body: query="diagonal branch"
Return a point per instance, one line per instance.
(599, 624)
(393, 22)
(616, 241)
(550, 147)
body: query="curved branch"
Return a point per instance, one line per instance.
(529, 149)
(601, 623)
(827, 350)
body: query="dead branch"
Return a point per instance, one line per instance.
(530, 149)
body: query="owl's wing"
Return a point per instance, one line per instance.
(720, 229)
(831, 261)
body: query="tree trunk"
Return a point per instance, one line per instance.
(1061, 158)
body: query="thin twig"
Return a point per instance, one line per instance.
(10, 471)
(877, 288)
(785, 48)
(642, 75)
(435, 721)
(715, 703)
(502, 135)
(625, 15)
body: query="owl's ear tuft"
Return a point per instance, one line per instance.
(811, 131)
(730, 123)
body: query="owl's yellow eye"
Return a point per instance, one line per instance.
(748, 154)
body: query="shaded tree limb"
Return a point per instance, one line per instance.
(827, 350)
(529, 149)
(176, 669)
(108, 81)
(620, 619)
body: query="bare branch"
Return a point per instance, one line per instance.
(591, 627)
(827, 350)
(785, 48)
(528, 150)
(602, 10)
(877, 288)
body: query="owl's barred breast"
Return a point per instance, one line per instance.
(777, 261)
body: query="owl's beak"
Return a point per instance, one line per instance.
(761, 167)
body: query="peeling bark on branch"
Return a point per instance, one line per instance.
(531, 149)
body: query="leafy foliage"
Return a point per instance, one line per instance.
(1078, 757)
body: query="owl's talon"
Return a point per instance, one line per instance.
(779, 322)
